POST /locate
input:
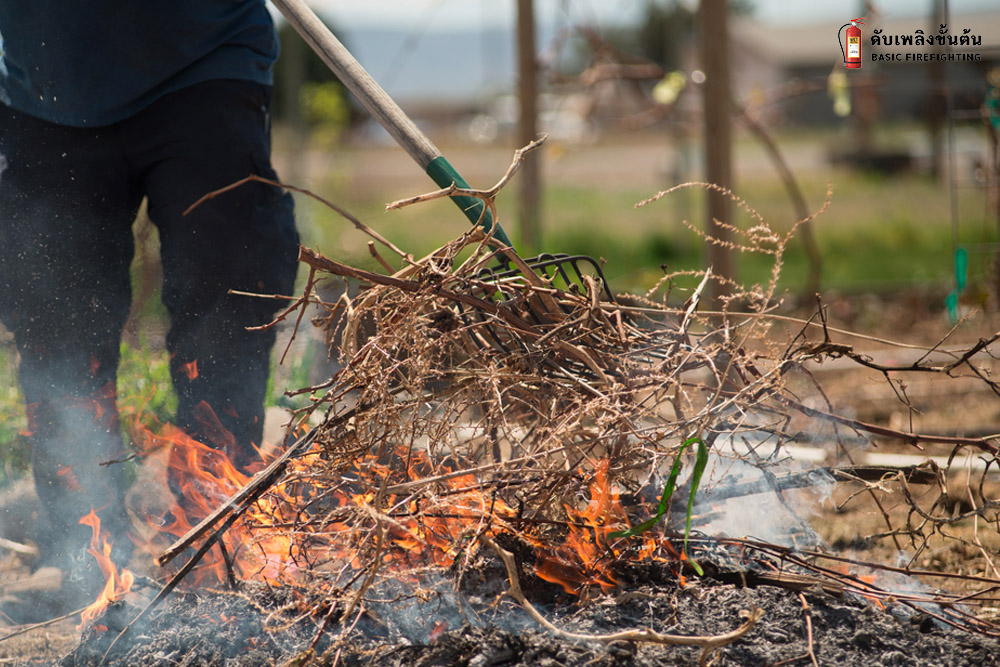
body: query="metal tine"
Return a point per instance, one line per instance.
(550, 266)
(480, 319)
(561, 261)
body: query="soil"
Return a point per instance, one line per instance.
(234, 630)
(207, 628)
(844, 633)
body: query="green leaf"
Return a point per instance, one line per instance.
(701, 460)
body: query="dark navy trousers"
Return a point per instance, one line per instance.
(68, 198)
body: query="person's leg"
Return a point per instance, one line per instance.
(188, 144)
(66, 209)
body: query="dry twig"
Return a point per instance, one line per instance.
(472, 403)
(708, 643)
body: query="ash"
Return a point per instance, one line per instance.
(419, 626)
(845, 633)
(251, 628)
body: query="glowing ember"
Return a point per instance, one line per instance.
(190, 370)
(69, 480)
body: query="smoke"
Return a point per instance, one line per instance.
(416, 609)
(752, 488)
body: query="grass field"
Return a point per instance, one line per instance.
(878, 234)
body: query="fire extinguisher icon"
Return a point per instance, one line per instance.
(852, 57)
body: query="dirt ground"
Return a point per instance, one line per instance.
(241, 628)
(245, 628)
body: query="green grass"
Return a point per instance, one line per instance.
(14, 453)
(144, 386)
(877, 233)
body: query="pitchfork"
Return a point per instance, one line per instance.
(559, 270)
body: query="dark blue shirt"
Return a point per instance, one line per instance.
(95, 62)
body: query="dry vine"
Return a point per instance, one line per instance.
(475, 406)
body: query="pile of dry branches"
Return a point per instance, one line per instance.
(477, 406)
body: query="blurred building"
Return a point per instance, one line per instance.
(788, 65)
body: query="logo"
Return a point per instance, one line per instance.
(852, 54)
(918, 47)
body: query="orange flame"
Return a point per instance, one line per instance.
(190, 369)
(588, 554)
(204, 478)
(117, 584)
(69, 480)
(267, 542)
(580, 561)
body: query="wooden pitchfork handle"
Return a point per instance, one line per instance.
(385, 110)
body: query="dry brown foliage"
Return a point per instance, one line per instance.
(472, 406)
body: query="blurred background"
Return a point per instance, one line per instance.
(636, 97)
(624, 91)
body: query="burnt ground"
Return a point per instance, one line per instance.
(207, 628)
(234, 630)
(257, 626)
(845, 632)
